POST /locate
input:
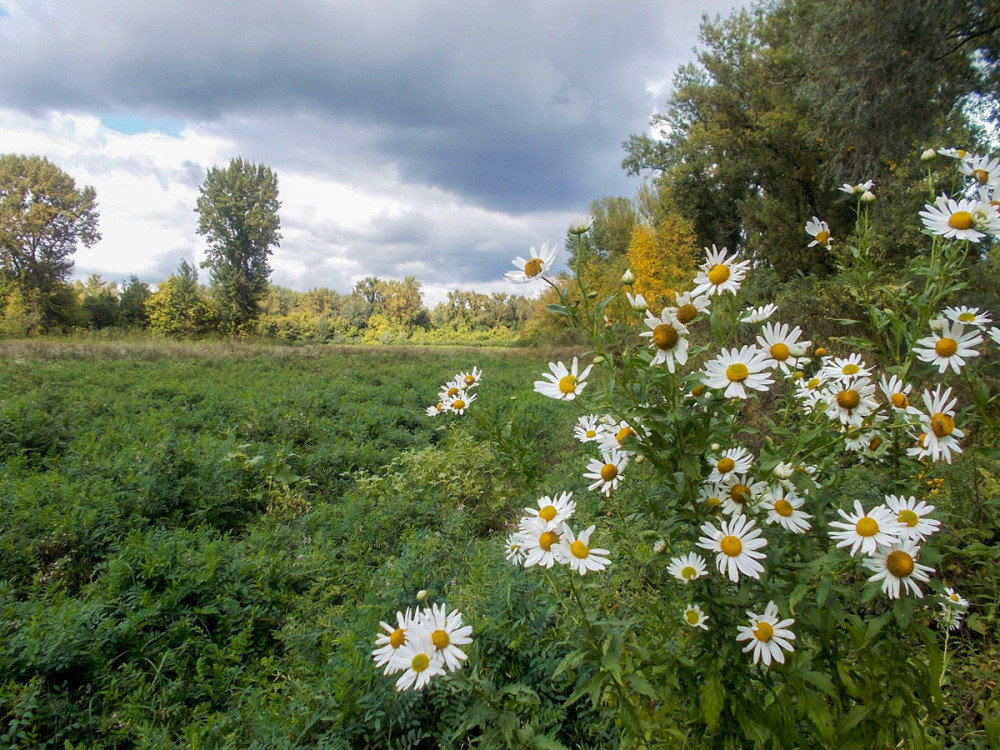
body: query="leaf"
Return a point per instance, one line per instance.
(641, 685)
(713, 697)
(559, 310)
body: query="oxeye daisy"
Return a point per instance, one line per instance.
(897, 564)
(688, 306)
(940, 435)
(687, 568)
(811, 392)
(606, 471)
(637, 302)
(739, 492)
(783, 508)
(738, 369)
(588, 429)
(729, 463)
(953, 153)
(954, 599)
(758, 314)
(866, 531)
(819, 231)
(850, 403)
(983, 169)
(471, 378)
(781, 345)
(845, 369)
(768, 636)
(856, 190)
(532, 268)
(950, 617)
(719, 273)
(451, 389)
(447, 634)
(694, 617)
(949, 347)
(553, 510)
(669, 336)
(735, 545)
(965, 219)
(969, 316)
(539, 542)
(515, 549)
(913, 516)
(575, 552)
(433, 411)
(710, 498)
(459, 403)
(620, 437)
(898, 394)
(390, 641)
(418, 659)
(562, 383)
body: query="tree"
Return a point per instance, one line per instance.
(177, 307)
(238, 210)
(43, 217)
(132, 303)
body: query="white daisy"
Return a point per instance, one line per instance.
(390, 641)
(739, 493)
(736, 370)
(913, 516)
(607, 472)
(950, 617)
(687, 568)
(969, 316)
(688, 306)
(768, 637)
(539, 542)
(718, 273)
(759, 314)
(845, 369)
(452, 389)
(966, 219)
(553, 510)
(954, 599)
(418, 658)
(783, 508)
(620, 436)
(694, 617)
(588, 429)
(949, 347)
(994, 333)
(898, 394)
(532, 268)
(983, 169)
(669, 336)
(515, 549)
(866, 531)
(459, 403)
(819, 231)
(562, 383)
(953, 153)
(710, 498)
(897, 564)
(781, 344)
(860, 189)
(811, 391)
(471, 378)
(447, 634)
(940, 435)
(637, 301)
(850, 403)
(731, 462)
(735, 545)
(433, 411)
(575, 552)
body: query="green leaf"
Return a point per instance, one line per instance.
(713, 697)
(559, 309)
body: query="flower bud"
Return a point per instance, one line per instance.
(928, 155)
(715, 447)
(628, 278)
(659, 546)
(783, 470)
(422, 595)
(597, 360)
(867, 197)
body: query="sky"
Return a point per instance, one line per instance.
(429, 138)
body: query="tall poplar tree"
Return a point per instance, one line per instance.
(238, 210)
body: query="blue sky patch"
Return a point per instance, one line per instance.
(132, 124)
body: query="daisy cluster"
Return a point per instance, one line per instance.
(972, 217)
(544, 538)
(457, 394)
(423, 644)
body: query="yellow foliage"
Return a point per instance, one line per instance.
(663, 258)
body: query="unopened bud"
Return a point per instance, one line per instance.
(597, 360)
(928, 155)
(867, 197)
(422, 595)
(659, 546)
(715, 447)
(628, 278)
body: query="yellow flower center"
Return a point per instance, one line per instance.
(850, 369)
(440, 639)
(848, 399)
(960, 220)
(546, 539)
(567, 384)
(469, 380)
(719, 274)
(981, 176)
(899, 563)
(698, 390)
(624, 434)
(533, 267)
(686, 313)
(688, 573)
(874, 443)
(725, 465)
(779, 352)
(737, 372)
(579, 549)
(712, 502)
(740, 493)
(420, 662)
(609, 472)
(908, 517)
(813, 384)
(822, 237)
(967, 317)
(783, 508)
(731, 546)
(763, 631)
(591, 433)
(866, 526)
(458, 404)
(548, 512)
(397, 638)
(900, 400)
(942, 425)
(665, 336)
(820, 351)
(452, 392)
(692, 617)
(946, 347)
(439, 406)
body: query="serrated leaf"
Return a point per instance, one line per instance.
(713, 697)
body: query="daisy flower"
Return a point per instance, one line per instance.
(539, 542)
(948, 347)
(718, 273)
(860, 189)
(619, 436)
(637, 301)
(433, 411)
(735, 545)
(563, 384)
(811, 391)
(390, 641)
(669, 336)
(452, 389)
(587, 429)
(687, 567)
(953, 153)
(983, 169)
(845, 369)
(781, 344)
(968, 316)
(898, 394)
(459, 403)
(539, 262)
(897, 564)
(710, 497)
(759, 314)
(688, 306)
(913, 517)
(819, 231)
(940, 435)
(966, 219)
(950, 617)
(471, 378)
(515, 549)
(553, 510)
(607, 472)
(447, 634)
(994, 333)
(731, 462)
(953, 599)
(419, 660)
(694, 617)
(783, 508)
(736, 370)
(738, 491)
(768, 637)
(575, 552)
(866, 531)
(852, 402)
